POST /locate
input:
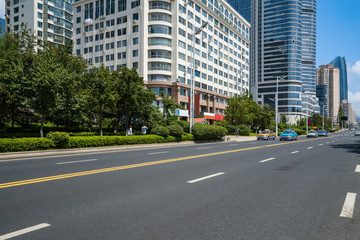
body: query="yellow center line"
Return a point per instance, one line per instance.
(111, 169)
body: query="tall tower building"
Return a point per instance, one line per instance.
(329, 76)
(157, 38)
(283, 50)
(243, 7)
(339, 62)
(50, 20)
(2, 26)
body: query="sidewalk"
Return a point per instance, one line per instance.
(54, 152)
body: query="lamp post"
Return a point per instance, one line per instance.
(307, 108)
(192, 87)
(276, 103)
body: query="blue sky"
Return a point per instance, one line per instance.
(338, 34)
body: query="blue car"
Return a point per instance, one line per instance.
(288, 135)
(323, 133)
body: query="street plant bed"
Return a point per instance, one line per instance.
(32, 144)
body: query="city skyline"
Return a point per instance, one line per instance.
(329, 45)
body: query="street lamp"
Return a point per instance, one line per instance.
(192, 87)
(307, 108)
(276, 102)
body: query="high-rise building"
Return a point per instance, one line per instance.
(2, 26)
(321, 94)
(283, 49)
(243, 7)
(329, 76)
(50, 20)
(157, 38)
(348, 111)
(339, 62)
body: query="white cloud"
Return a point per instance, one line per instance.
(355, 68)
(2, 8)
(354, 99)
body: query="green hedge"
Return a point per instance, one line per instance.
(25, 144)
(175, 130)
(208, 132)
(31, 144)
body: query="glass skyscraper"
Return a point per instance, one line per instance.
(340, 63)
(243, 7)
(283, 47)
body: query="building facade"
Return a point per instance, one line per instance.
(329, 76)
(348, 111)
(283, 50)
(340, 63)
(157, 38)
(243, 7)
(50, 20)
(2, 26)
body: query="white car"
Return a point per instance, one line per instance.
(357, 133)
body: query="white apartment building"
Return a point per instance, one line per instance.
(50, 20)
(156, 37)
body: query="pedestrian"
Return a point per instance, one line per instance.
(237, 132)
(144, 129)
(259, 131)
(130, 130)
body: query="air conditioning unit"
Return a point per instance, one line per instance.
(101, 29)
(84, 34)
(102, 17)
(103, 52)
(135, 21)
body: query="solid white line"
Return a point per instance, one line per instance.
(233, 145)
(294, 152)
(158, 152)
(203, 148)
(357, 168)
(310, 147)
(89, 160)
(203, 178)
(269, 159)
(320, 144)
(349, 204)
(25, 230)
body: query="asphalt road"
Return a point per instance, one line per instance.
(305, 189)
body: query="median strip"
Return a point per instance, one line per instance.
(207, 177)
(23, 231)
(103, 170)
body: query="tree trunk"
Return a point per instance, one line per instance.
(100, 124)
(42, 127)
(12, 121)
(126, 118)
(117, 121)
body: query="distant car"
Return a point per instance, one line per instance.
(288, 135)
(357, 133)
(313, 134)
(323, 133)
(266, 135)
(352, 129)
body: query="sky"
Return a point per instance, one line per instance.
(338, 34)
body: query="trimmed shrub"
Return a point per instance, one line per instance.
(208, 132)
(243, 130)
(187, 137)
(185, 125)
(175, 130)
(161, 131)
(83, 134)
(25, 144)
(61, 139)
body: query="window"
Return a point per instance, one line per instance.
(135, 28)
(78, 9)
(16, 2)
(135, 53)
(40, 24)
(182, 21)
(182, 56)
(135, 16)
(160, 29)
(40, 6)
(16, 19)
(78, 20)
(182, 44)
(16, 10)
(121, 5)
(135, 65)
(182, 32)
(135, 41)
(135, 4)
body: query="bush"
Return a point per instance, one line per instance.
(61, 139)
(161, 131)
(208, 132)
(243, 130)
(175, 130)
(25, 144)
(185, 125)
(231, 128)
(187, 137)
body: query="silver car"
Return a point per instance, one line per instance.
(357, 133)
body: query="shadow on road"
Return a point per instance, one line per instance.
(351, 147)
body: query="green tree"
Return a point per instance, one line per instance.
(266, 116)
(283, 119)
(99, 93)
(131, 100)
(316, 120)
(169, 106)
(17, 55)
(242, 109)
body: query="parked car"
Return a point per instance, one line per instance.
(266, 135)
(288, 135)
(323, 133)
(357, 133)
(313, 134)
